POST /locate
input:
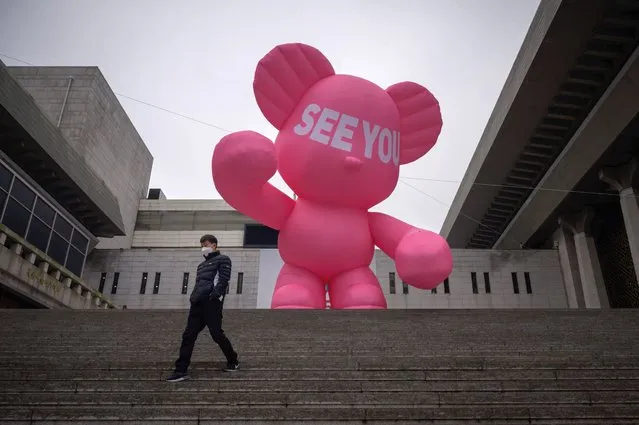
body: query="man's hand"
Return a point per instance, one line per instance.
(215, 296)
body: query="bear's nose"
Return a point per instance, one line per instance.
(352, 163)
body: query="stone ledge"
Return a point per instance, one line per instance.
(33, 273)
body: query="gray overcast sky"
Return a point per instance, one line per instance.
(197, 57)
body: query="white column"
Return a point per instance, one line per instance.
(625, 179)
(592, 282)
(569, 267)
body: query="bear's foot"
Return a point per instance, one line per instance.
(297, 288)
(356, 289)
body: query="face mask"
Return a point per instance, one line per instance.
(206, 250)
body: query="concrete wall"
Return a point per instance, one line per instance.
(97, 127)
(543, 268)
(260, 268)
(172, 264)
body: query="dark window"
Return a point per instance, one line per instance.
(58, 248)
(155, 194)
(145, 277)
(44, 212)
(38, 234)
(257, 235)
(433, 291)
(487, 282)
(473, 278)
(79, 241)
(446, 287)
(3, 197)
(5, 177)
(16, 217)
(156, 284)
(240, 282)
(404, 288)
(391, 282)
(185, 283)
(63, 227)
(75, 261)
(23, 194)
(102, 282)
(515, 282)
(528, 283)
(116, 279)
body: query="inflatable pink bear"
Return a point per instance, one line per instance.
(340, 144)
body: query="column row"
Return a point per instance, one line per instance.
(585, 286)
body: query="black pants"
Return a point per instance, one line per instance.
(208, 314)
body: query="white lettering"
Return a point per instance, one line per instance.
(307, 119)
(369, 136)
(323, 124)
(396, 147)
(345, 128)
(337, 130)
(385, 146)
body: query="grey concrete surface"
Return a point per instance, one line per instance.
(440, 367)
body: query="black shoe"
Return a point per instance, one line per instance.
(232, 367)
(177, 377)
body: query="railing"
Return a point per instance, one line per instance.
(51, 277)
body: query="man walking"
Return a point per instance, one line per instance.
(207, 301)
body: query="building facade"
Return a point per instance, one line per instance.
(158, 271)
(557, 165)
(72, 172)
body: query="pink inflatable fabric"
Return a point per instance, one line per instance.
(341, 142)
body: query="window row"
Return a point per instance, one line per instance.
(514, 278)
(393, 289)
(156, 283)
(33, 218)
(473, 280)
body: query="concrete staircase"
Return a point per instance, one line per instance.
(439, 367)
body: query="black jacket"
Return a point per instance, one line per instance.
(212, 278)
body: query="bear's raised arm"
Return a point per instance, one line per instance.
(422, 258)
(242, 164)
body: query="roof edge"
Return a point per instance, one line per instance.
(540, 24)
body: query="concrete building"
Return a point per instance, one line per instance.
(557, 164)
(159, 269)
(72, 171)
(546, 216)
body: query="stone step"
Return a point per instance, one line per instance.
(210, 414)
(310, 332)
(90, 351)
(338, 328)
(206, 347)
(332, 399)
(383, 338)
(205, 343)
(532, 421)
(442, 367)
(334, 362)
(199, 372)
(459, 331)
(420, 321)
(314, 386)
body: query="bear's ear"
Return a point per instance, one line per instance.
(420, 119)
(284, 75)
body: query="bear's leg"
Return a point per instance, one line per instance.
(297, 288)
(356, 289)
